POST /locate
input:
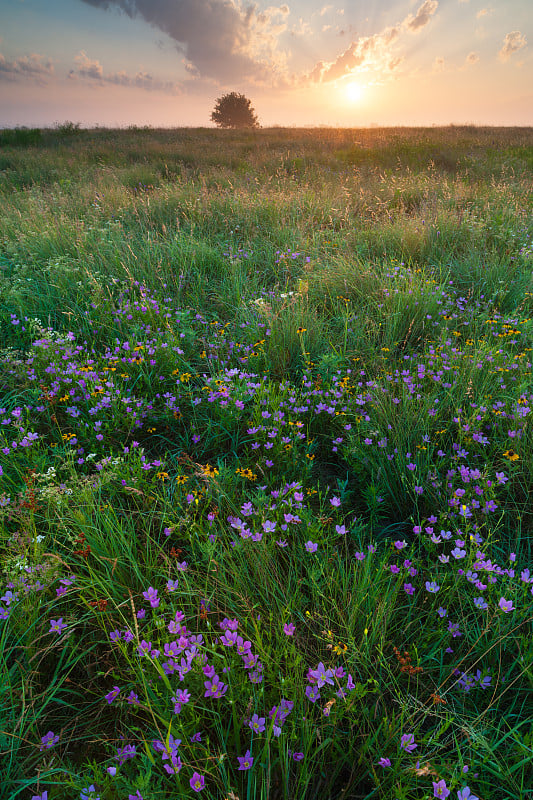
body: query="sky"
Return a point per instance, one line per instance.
(360, 63)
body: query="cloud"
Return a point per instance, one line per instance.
(512, 42)
(223, 39)
(471, 59)
(365, 52)
(91, 70)
(422, 17)
(34, 67)
(373, 53)
(439, 64)
(484, 12)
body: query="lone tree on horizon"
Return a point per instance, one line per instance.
(234, 111)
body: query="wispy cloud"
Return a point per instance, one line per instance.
(419, 20)
(512, 43)
(34, 67)
(484, 12)
(91, 70)
(222, 39)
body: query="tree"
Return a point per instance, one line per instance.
(234, 111)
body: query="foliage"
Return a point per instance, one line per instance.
(234, 110)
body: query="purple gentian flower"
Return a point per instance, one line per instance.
(197, 782)
(506, 605)
(408, 743)
(440, 789)
(48, 741)
(289, 628)
(245, 761)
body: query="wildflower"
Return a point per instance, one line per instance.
(506, 605)
(432, 587)
(311, 547)
(197, 782)
(151, 596)
(335, 502)
(466, 794)
(322, 675)
(43, 796)
(289, 629)
(440, 789)
(257, 724)
(89, 793)
(48, 741)
(384, 762)
(409, 588)
(408, 743)
(312, 693)
(245, 761)
(57, 625)
(112, 694)
(136, 796)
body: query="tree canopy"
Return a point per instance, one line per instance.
(234, 110)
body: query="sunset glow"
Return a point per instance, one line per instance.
(354, 92)
(302, 62)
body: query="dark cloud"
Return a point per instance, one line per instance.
(221, 38)
(33, 67)
(512, 42)
(422, 16)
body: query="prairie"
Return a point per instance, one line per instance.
(266, 460)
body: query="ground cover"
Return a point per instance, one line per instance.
(265, 464)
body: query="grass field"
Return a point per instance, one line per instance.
(266, 461)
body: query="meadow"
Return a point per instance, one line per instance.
(266, 461)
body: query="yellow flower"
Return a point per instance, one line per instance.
(511, 455)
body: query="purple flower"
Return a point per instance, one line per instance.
(257, 724)
(245, 761)
(312, 693)
(440, 789)
(43, 796)
(384, 762)
(297, 756)
(197, 782)
(289, 628)
(466, 794)
(506, 605)
(215, 688)
(432, 587)
(335, 502)
(322, 675)
(115, 691)
(57, 625)
(151, 596)
(89, 793)
(311, 547)
(48, 741)
(408, 743)
(409, 588)
(136, 796)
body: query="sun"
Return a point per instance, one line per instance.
(354, 92)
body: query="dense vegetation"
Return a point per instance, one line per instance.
(266, 460)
